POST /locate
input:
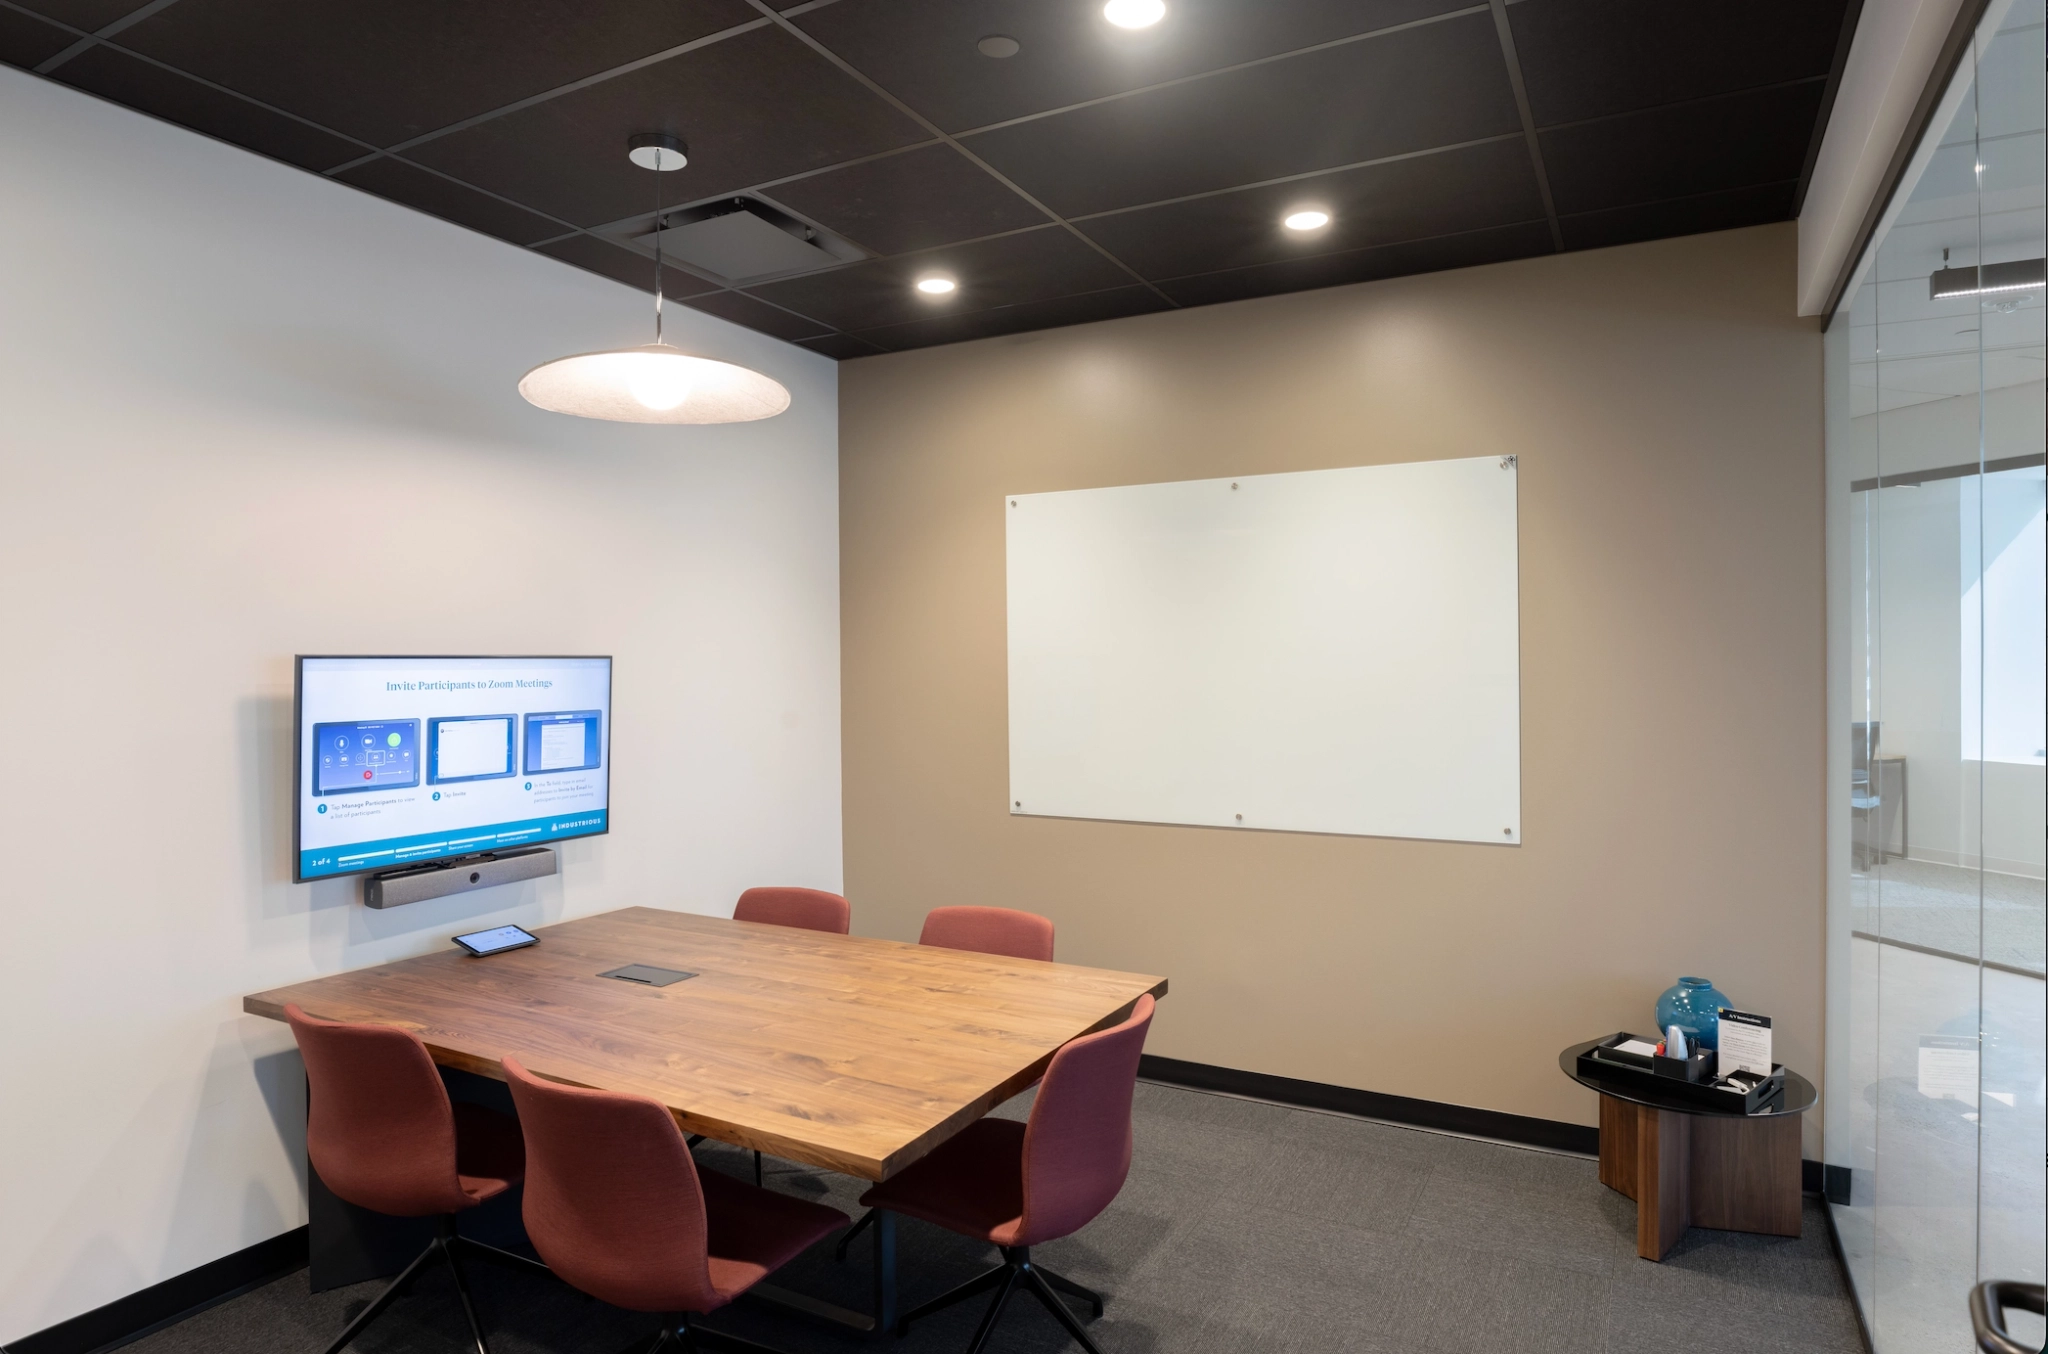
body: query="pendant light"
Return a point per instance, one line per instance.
(658, 383)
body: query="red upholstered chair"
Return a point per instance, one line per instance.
(1019, 1185)
(806, 909)
(615, 1205)
(989, 930)
(383, 1135)
(984, 930)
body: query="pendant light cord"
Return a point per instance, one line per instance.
(657, 247)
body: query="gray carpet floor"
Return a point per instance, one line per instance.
(1244, 1227)
(1954, 909)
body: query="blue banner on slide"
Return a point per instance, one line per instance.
(393, 852)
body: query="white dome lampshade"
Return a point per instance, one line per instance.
(658, 383)
(655, 384)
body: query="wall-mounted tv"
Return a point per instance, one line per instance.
(411, 761)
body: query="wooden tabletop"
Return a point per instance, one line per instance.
(853, 1054)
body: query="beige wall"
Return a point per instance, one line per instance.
(1665, 402)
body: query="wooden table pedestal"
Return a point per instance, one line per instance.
(1700, 1170)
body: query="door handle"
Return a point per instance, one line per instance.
(1988, 1303)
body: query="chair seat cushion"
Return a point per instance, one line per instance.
(973, 1184)
(752, 1232)
(490, 1154)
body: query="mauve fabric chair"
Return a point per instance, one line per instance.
(383, 1135)
(989, 930)
(615, 1205)
(984, 930)
(1020, 1185)
(806, 909)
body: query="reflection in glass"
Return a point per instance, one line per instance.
(1937, 1117)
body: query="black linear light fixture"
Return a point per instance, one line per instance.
(658, 383)
(1987, 278)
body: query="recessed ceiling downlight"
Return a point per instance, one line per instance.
(1306, 219)
(659, 383)
(1001, 46)
(937, 286)
(1134, 13)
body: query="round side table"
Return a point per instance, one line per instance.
(1692, 1165)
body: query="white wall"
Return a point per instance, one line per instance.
(246, 412)
(1922, 572)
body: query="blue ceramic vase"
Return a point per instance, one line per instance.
(1695, 1007)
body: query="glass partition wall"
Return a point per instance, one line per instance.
(1936, 1099)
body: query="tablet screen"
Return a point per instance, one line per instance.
(490, 942)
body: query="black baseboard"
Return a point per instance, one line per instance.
(171, 1301)
(1399, 1109)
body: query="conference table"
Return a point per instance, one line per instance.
(843, 1052)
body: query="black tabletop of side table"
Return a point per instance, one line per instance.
(1642, 1089)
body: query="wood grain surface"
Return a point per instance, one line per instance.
(1746, 1175)
(853, 1054)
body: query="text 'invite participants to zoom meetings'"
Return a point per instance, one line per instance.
(408, 760)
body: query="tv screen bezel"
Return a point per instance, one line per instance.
(299, 662)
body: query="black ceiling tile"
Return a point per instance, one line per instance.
(456, 202)
(1497, 245)
(1732, 142)
(1685, 216)
(1051, 314)
(624, 265)
(1033, 266)
(28, 42)
(88, 15)
(1486, 185)
(923, 51)
(742, 309)
(388, 70)
(914, 200)
(756, 107)
(113, 74)
(1435, 85)
(1589, 58)
(839, 347)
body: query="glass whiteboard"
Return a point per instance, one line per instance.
(1325, 651)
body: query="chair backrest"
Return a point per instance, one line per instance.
(612, 1200)
(379, 1128)
(989, 930)
(1077, 1147)
(807, 909)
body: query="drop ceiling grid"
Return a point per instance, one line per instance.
(877, 120)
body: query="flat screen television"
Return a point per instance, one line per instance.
(415, 761)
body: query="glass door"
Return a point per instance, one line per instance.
(1937, 1115)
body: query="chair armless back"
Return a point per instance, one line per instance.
(1077, 1147)
(805, 909)
(612, 1200)
(379, 1128)
(989, 930)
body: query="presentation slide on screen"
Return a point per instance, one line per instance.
(412, 759)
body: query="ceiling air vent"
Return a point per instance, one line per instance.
(740, 241)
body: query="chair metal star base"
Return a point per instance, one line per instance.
(686, 1335)
(1017, 1271)
(446, 1245)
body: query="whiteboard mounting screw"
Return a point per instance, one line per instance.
(1018, 804)
(1240, 817)
(1507, 832)
(1233, 484)
(1013, 502)
(1507, 463)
